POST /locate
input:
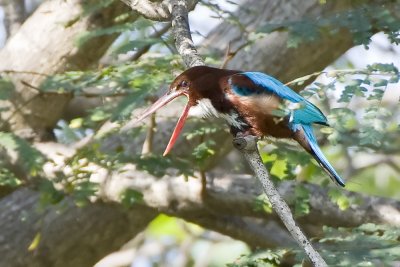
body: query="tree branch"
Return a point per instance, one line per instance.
(183, 38)
(150, 9)
(248, 146)
(156, 34)
(26, 51)
(98, 228)
(155, 10)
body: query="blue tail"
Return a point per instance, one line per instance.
(319, 156)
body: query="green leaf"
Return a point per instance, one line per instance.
(99, 115)
(350, 91)
(164, 225)
(377, 94)
(158, 165)
(302, 201)
(362, 22)
(204, 150)
(7, 178)
(83, 190)
(265, 258)
(6, 89)
(76, 123)
(35, 242)
(30, 158)
(279, 168)
(262, 203)
(135, 44)
(130, 197)
(339, 199)
(88, 35)
(49, 194)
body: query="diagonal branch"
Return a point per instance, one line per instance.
(183, 38)
(248, 146)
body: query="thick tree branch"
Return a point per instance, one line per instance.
(183, 38)
(28, 52)
(60, 228)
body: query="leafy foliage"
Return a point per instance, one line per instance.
(366, 245)
(27, 156)
(361, 22)
(130, 197)
(7, 87)
(266, 258)
(9, 179)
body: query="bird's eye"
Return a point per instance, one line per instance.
(184, 83)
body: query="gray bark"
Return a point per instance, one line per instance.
(69, 235)
(46, 44)
(158, 10)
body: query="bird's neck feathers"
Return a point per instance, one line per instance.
(204, 108)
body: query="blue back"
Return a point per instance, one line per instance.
(306, 113)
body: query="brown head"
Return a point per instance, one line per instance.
(195, 83)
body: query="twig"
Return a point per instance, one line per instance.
(229, 55)
(333, 73)
(73, 93)
(156, 34)
(248, 146)
(148, 142)
(25, 72)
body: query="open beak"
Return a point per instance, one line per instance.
(165, 99)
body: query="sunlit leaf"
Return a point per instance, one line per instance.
(35, 242)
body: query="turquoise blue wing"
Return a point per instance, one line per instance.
(304, 113)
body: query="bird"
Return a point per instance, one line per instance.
(252, 103)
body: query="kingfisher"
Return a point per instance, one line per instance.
(251, 103)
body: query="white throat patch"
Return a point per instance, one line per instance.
(205, 109)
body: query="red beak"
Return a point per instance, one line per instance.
(165, 99)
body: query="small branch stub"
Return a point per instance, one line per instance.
(247, 142)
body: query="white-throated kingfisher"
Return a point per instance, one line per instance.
(249, 102)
